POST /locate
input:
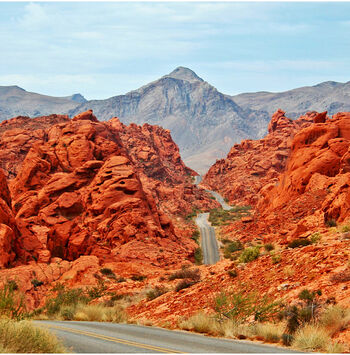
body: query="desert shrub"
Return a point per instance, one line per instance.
(335, 319)
(198, 256)
(311, 338)
(275, 258)
(24, 337)
(345, 229)
(65, 297)
(268, 247)
(331, 222)
(195, 236)
(185, 283)
(108, 272)
(249, 254)
(239, 306)
(156, 292)
(341, 276)
(12, 302)
(121, 279)
(200, 323)
(191, 274)
(138, 277)
(36, 283)
(232, 273)
(300, 242)
(67, 312)
(219, 216)
(97, 291)
(315, 237)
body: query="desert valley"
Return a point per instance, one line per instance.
(100, 212)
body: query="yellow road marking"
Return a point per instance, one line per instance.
(115, 340)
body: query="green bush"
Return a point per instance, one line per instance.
(268, 247)
(198, 256)
(65, 297)
(300, 242)
(249, 254)
(12, 302)
(240, 305)
(275, 258)
(138, 277)
(108, 272)
(232, 273)
(315, 237)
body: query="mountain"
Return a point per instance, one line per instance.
(15, 101)
(327, 96)
(203, 122)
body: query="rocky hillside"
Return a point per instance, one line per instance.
(15, 101)
(327, 96)
(249, 166)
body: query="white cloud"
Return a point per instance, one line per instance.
(35, 17)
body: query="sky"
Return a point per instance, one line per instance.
(103, 49)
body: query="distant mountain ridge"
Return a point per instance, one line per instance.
(204, 122)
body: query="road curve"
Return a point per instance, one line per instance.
(100, 337)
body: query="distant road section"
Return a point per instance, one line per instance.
(100, 337)
(209, 243)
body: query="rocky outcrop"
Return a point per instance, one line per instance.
(8, 228)
(318, 167)
(82, 187)
(249, 166)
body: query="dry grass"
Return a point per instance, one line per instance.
(311, 338)
(335, 348)
(335, 319)
(230, 329)
(201, 323)
(270, 332)
(100, 313)
(24, 337)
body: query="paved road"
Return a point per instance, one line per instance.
(209, 243)
(95, 337)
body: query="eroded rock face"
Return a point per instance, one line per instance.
(8, 229)
(82, 187)
(318, 166)
(249, 166)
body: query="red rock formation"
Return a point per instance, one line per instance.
(252, 164)
(8, 229)
(319, 168)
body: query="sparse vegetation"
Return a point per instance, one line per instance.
(198, 256)
(269, 247)
(331, 223)
(345, 229)
(232, 273)
(341, 276)
(138, 277)
(300, 242)
(185, 283)
(200, 323)
(108, 272)
(315, 237)
(187, 273)
(276, 258)
(231, 249)
(249, 254)
(24, 337)
(156, 292)
(12, 302)
(219, 216)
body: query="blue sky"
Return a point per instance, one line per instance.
(102, 49)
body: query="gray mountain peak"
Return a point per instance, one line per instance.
(183, 73)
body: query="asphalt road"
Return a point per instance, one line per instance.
(98, 337)
(209, 243)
